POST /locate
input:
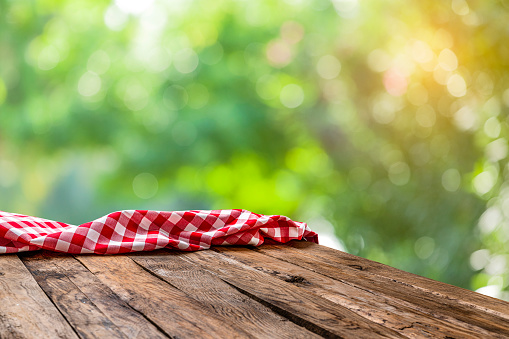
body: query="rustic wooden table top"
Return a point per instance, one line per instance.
(298, 290)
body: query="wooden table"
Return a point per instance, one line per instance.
(298, 290)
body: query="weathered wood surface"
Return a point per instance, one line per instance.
(296, 290)
(468, 298)
(176, 313)
(376, 308)
(87, 304)
(219, 297)
(25, 310)
(403, 287)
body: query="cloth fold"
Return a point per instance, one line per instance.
(142, 230)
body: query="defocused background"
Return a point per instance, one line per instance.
(383, 124)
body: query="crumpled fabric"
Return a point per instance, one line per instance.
(140, 230)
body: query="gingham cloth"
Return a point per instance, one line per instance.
(135, 230)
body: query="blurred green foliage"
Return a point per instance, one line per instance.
(383, 122)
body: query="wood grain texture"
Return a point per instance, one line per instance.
(313, 312)
(172, 310)
(375, 308)
(219, 297)
(25, 311)
(454, 294)
(82, 314)
(436, 305)
(295, 290)
(91, 307)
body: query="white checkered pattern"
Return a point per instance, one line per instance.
(135, 230)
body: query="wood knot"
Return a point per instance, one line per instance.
(294, 279)
(357, 267)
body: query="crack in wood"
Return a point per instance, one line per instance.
(288, 315)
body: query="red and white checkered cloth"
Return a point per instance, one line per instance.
(134, 230)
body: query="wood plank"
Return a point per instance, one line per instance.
(436, 305)
(219, 297)
(313, 312)
(92, 308)
(87, 320)
(376, 308)
(172, 310)
(459, 295)
(25, 311)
